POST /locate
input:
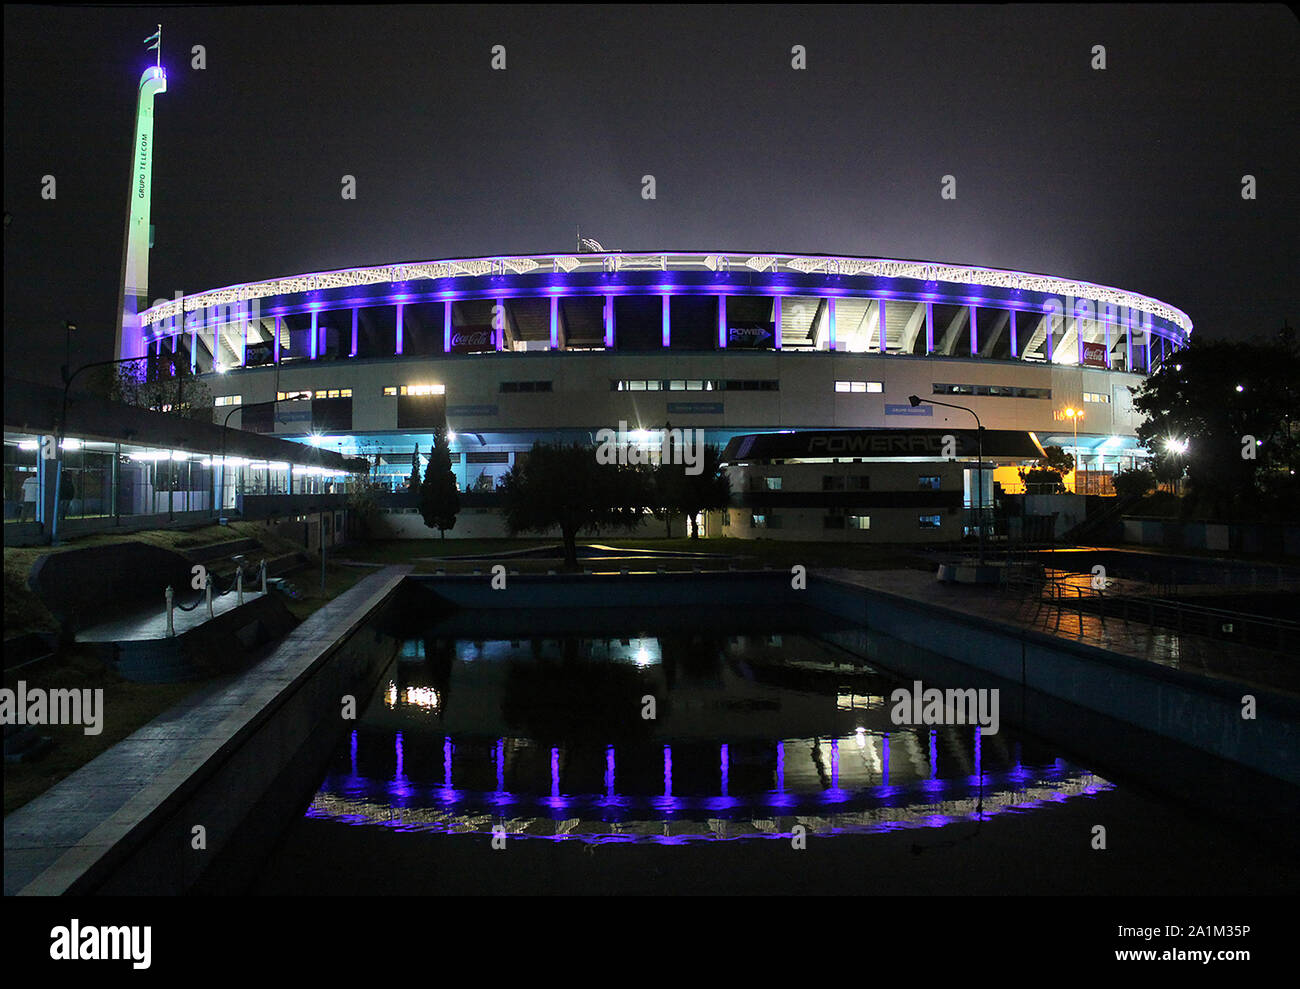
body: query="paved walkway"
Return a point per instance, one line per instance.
(153, 624)
(1189, 653)
(54, 838)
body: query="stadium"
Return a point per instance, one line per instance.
(790, 362)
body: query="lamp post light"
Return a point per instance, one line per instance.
(225, 432)
(69, 327)
(1074, 415)
(979, 467)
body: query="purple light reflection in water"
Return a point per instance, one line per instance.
(446, 762)
(726, 770)
(501, 764)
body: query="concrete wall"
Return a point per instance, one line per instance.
(1256, 538)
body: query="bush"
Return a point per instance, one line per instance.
(1134, 483)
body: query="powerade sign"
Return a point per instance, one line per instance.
(473, 339)
(750, 336)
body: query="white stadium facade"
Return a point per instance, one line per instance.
(802, 367)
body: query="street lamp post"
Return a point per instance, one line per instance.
(1074, 415)
(979, 467)
(225, 431)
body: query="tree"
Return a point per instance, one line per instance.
(1226, 413)
(413, 482)
(1046, 476)
(566, 487)
(162, 383)
(1134, 483)
(690, 494)
(439, 499)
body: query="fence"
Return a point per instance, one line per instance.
(1042, 589)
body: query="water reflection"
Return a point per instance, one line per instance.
(751, 736)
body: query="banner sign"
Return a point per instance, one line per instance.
(695, 408)
(907, 410)
(1094, 354)
(473, 339)
(751, 336)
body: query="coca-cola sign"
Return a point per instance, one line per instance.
(1094, 354)
(471, 339)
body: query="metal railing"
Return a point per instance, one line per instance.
(236, 585)
(1043, 590)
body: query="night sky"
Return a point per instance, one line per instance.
(1129, 176)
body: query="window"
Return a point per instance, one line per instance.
(292, 396)
(757, 521)
(228, 400)
(421, 390)
(652, 384)
(772, 483)
(834, 482)
(861, 387)
(993, 391)
(390, 390)
(928, 482)
(859, 521)
(530, 386)
(930, 521)
(1090, 396)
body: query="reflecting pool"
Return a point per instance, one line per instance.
(669, 732)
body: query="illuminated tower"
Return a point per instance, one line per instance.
(137, 240)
